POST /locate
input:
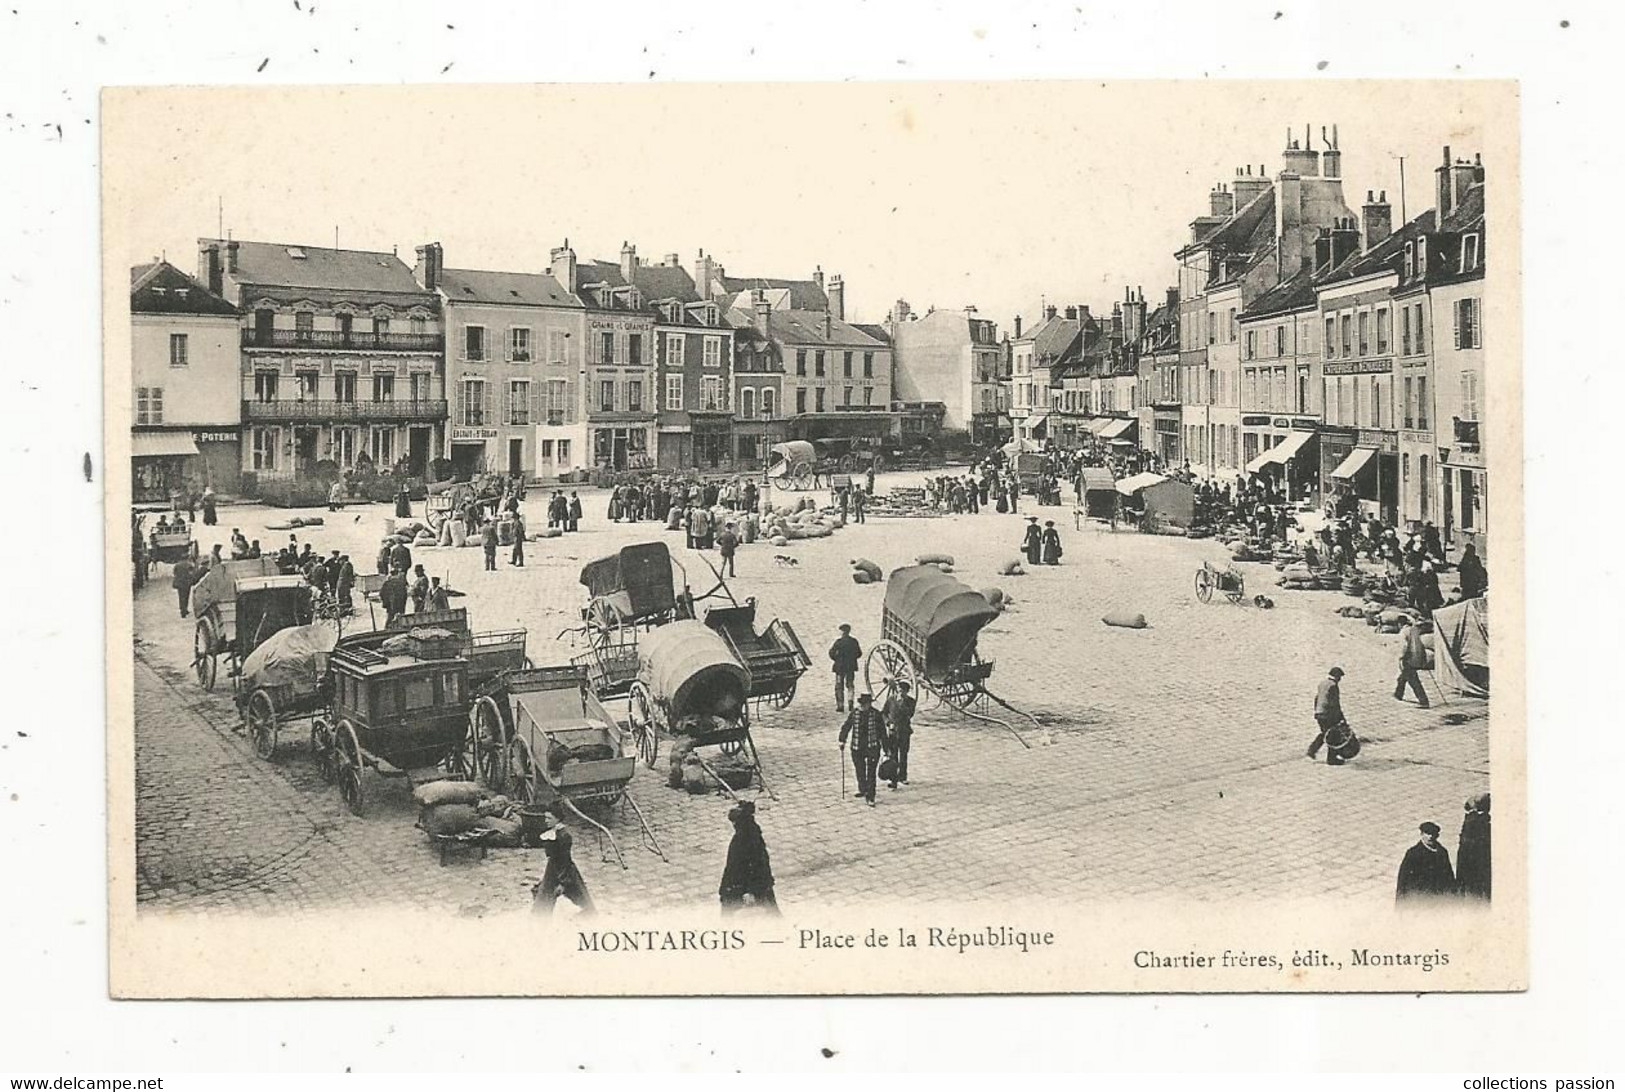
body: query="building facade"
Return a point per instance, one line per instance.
(1056, 343)
(1280, 387)
(513, 369)
(341, 357)
(187, 397)
(951, 357)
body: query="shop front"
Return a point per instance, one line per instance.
(163, 462)
(474, 452)
(622, 447)
(1366, 479)
(1464, 489)
(1284, 451)
(1165, 437)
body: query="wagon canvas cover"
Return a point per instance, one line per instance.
(928, 600)
(294, 657)
(637, 580)
(786, 456)
(679, 660)
(1461, 647)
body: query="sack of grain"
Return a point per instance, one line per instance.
(1012, 568)
(934, 559)
(867, 566)
(859, 576)
(996, 597)
(507, 831)
(459, 532)
(432, 794)
(450, 818)
(1124, 620)
(779, 540)
(423, 538)
(314, 521)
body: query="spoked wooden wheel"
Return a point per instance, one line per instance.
(886, 666)
(781, 699)
(203, 661)
(491, 742)
(1235, 589)
(321, 749)
(347, 764)
(640, 717)
(462, 761)
(1204, 585)
(521, 767)
(262, 726)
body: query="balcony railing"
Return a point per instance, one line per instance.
(296, 409)
(359, 341)
(1466, 433)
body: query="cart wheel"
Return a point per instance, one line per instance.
(347, 757)
(203, 661)
(491, 742)
(886, 666)
(1204, 585)
(262, 726)
(879, 464)
(1239, 592)
(782, 698)
(521, 768)
(321, 749)
(640, 716)
(731, 747)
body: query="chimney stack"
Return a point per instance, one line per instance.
(1072, 313)
(1378, 217)
(629, 262)
(818, 276)
(1331, 162)
(1444, 192)
(1017, 326)
(563, 267)
(1345, 240)
(1049, 311)
(762, 309)
(1302, 160)
(231, 256)
(1462, 175)
(209, 267)
(1221, 202)
(431, 264)
(1247, 186)
(837, 297)
(1172, 299)
(705, 273)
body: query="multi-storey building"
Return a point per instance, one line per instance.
(513, 367)
(1055, 343)
(341, 357)
(758, 383)
(619, 364)
(951, 357)
(1455, 295)
(1280, 386)
(188, 386)
(1161, 412)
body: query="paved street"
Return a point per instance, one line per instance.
(1172, 763)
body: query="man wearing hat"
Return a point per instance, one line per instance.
(844, 655)
(561, 877)
(1425, 871)
(393, 595)
(1328, 713)
(899, 713)
(1473, 851)
(728, 542)
(867, 727)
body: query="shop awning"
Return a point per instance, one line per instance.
(1098, 425)
(152, 445)
(1356, 462)
(1118, 428)
(1035, 424)
(1281, 452)
(1135, 482)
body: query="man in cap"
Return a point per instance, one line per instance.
(393, 595)
(1473, 851)
(1413, 657)
(867, 727)
(728, 542)
(561, 876)
(899, 713)
(1425, 871)
(1328, 713)
(844, 655)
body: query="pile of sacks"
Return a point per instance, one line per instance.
(945, 562)
(293, 523)
(414, 533)
(782, 525)
(451, 808)
(865, 571)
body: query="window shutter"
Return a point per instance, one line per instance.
(1457, 315)
(1478, 319)
(461, 413)
(507, 403)
(535, 404)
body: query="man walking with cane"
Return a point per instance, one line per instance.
(867, 728)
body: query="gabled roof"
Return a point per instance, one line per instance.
(513, 289)
(665, 282)
(804, 295)
(298, 266)
(1467, 218)
(1296, 293)
(874, 330)
(1055, 340)
(807, 328)
(1240, 232)
(1386, 256)
(158, 288)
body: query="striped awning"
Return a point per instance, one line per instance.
(153, 445)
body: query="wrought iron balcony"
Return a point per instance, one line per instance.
(356, 340)
(311, 409)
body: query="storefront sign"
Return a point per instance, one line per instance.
(214, 437)
(459, 435)
(1411, 436)
(1382, 441)
(1283, 422)
(1255, 419)
(1309, 424)
(1357, 367)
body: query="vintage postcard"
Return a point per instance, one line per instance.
(814, 539)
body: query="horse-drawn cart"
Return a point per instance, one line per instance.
(774, 659)
(547, 741)
(1228, 582)
(929, 628)
(628, 592)
(792, 464)
(239, 604)
(692, 690)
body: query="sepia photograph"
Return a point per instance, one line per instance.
(1041, 537)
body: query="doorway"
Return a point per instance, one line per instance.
(467, 460)
(417, 452)
(304, 449)
(516, 456)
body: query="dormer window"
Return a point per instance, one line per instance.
(1410, 260)
(1469, 253)
(1422, 257)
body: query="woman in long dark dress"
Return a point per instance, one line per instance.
(1033, 543)
(1473, 852)
(1052, 544)
(748, 871)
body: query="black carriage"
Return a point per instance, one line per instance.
(930, 624)
(629, 592)
(546, 741)
(692, 690)
(238, 605)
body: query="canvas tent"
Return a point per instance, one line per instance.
(1164, 498)
(1461, 647)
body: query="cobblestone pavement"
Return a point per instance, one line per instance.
(1171, 763)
